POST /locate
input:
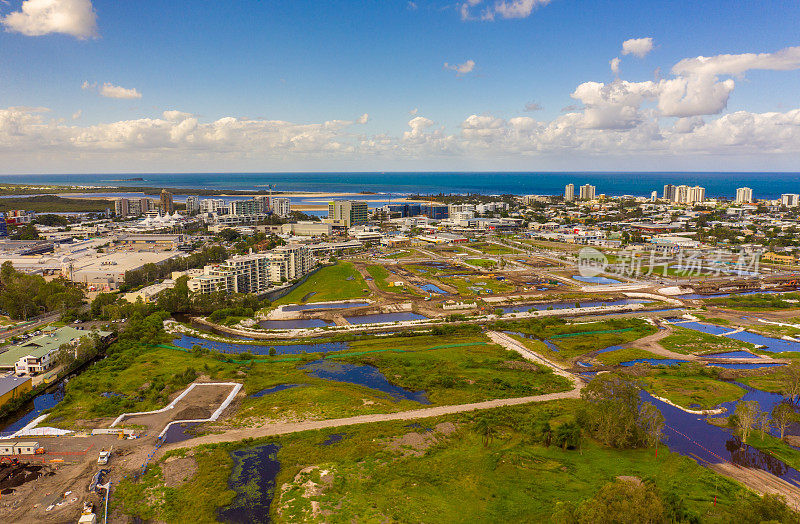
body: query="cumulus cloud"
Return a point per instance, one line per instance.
(363, 119)
(111, 91)
(413, 111)
(784, 60)
(501, 8)
(614, 63)
(86, 86)
(41, 17)
(638, 47)
(461, 69)
(533, 106)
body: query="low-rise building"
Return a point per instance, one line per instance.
(37, 354)
(12, 386)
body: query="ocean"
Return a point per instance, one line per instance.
(764, 185)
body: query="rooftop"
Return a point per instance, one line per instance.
(44, 344)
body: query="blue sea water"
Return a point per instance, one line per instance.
(764, 185)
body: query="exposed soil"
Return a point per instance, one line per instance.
(178, 470)
(414, 444)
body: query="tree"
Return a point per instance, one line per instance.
(791, 382)
(485, 429)
(782, 415)
(568, 435)
(612, 412)
(651, 424)
(623, 501)
(747, 412)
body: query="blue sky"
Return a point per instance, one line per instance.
(234, 68)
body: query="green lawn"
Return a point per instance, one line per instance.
(684, 340)
(337, 282)
(687, 391)
(482, 262)
(492, 249)
(758, 302)
(380, 275)
(612, 358)
(460, 477)
(594, 338)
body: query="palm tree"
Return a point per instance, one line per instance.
(485, 429)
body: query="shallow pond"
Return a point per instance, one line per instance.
(304, 323)
(180, 432)
(731, 354)
(362, 375)
(596, 280)
(187, 341)
(746, 365)
(253, 480)
(378, 318)
(774, 345)
(433, 288)
(654, 361)
(40, 404)
(274, 389)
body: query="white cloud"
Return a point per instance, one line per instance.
(614, 63)
(413, 111)
(461, 69)
(500, 8)
(363, 119)
(784, 60)
(41, 17)
(87, 86)
(638, 47)
(533, 106)
(77, 114)
(111, 91)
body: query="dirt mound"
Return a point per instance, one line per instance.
(192, 413)
(177, 471)
(414, 443)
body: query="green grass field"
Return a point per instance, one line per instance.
(612, 358)
(690, 392)
(457, 477)
(685, 341)
(380, 275)
(594, 338)
(492, 249)
(473, 371)
(482, 262)
(337, 282)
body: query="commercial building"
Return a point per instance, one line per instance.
(255, 272)
(790, 200)
(744, 195)
(154, 242)
(167, 205)
(301, 229)
(569, 193)
(12, 386)
(348, 213)
(213, 205)
(37, 354)
(587, 192)
(432, 211)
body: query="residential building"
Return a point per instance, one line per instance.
(192, 205)
(281, 206)
(653, 196)
(121, 207)
(213, 205)
(669, 192)
(744, 195)
(255, 272)
(167, 205)
(569, 193)
(348, 213)
(255, 206)
(790, 200)
(587, 192)
(696, 195)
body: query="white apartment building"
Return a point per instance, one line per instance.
(255, 272)
(569, 193)
(744, 195)
(192, 204)
(460, 208)
(790, 200)
(280, 206)
(213, 205)
(587, 192)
